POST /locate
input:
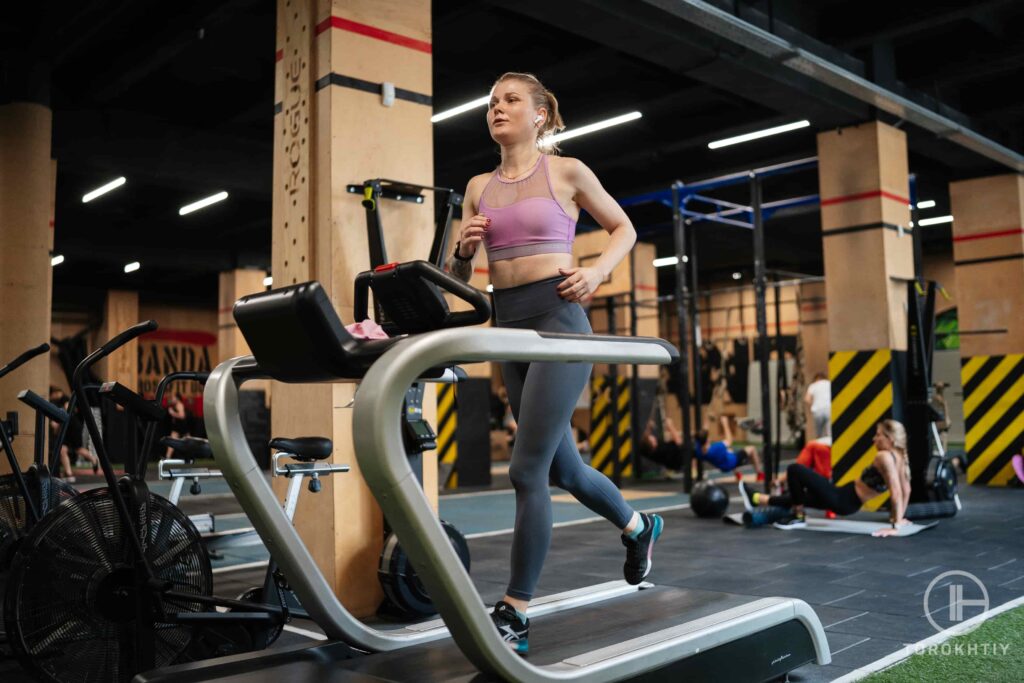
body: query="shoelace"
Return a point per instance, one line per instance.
(632, 549)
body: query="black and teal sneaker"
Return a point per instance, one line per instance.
(512, 629)
(639, 550)
(791, 522)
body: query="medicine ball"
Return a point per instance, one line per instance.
(708, 500)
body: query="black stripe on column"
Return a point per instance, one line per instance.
(371, 87)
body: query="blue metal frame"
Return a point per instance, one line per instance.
(726, 212)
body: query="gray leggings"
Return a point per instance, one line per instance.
(543, 397)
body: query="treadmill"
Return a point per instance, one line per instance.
(615, 632)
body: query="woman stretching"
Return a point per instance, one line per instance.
(524, 213)
(890, 471)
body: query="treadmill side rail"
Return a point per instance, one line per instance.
(387, 472)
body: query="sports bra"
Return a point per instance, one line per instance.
(874, 479)
(526, 218)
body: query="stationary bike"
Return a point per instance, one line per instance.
(117, 580)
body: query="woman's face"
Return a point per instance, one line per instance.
(881, 441)
(510, 115)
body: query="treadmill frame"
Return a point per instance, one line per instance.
(379, 451)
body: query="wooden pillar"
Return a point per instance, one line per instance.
(120, 311)
(26, 191)
(333, 128)
(863, 183)
(988, 251)
(232, 286)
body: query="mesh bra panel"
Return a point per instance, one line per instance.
(500, 193)
(525, 217)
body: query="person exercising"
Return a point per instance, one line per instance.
(524, 214)
(721, 453)
(890, 471)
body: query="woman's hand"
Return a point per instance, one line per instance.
(894, 531)
(471, 234)
(579, 284)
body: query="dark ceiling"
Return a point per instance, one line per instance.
(180, 102)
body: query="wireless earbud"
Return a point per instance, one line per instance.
(538, 118)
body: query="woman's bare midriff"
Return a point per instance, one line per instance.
(526, 269)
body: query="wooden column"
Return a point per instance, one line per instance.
(232, 286)
(120, 311)
(26, 187)
(333, 128)
(988, 251)
(865, 215)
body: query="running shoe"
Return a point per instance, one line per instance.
(791, 523)
(639, 550)
(748, 502)
(514, 631)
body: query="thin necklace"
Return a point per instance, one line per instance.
(528, 169)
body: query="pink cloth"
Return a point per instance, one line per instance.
(366, 330)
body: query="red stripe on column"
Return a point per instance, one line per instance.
(373, 32)
(482, 271)
(988, 235)
(279, 55)
(51, 222)
(864, 195)
(196, 337)
(647, 288)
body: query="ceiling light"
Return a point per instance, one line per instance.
(112, 185)
(669, 261)
(268, 281)
(736, 276)
(935, 221)
(462, 108)
(591, 128)
(202, 203)
(56, 259)
(132, 267)
(926, 204)
(746, 137)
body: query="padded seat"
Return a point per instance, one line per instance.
(304, 448)
(188, 448)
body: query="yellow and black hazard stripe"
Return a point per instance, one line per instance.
(447, 436)
(603, 457)
(861, 397)
(993, 416)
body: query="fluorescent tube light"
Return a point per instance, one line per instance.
(132, 267)
(591, 128)
(112, 185)
(202, 203)
(56, 259)
(462, 108)
(926, 204)
(746, 137)
(935, 221)
(669, 261)
(736, 276)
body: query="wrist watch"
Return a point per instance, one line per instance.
(456, 254)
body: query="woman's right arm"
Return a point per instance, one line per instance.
(471, 233)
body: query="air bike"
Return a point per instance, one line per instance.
(654, 633)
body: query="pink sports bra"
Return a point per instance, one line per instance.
(526, 218)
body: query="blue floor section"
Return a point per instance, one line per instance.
(495, 510)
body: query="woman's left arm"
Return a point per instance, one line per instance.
(582, 282)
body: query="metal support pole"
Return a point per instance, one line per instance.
(636, 428)
(682, 297)
(613, 399)
(780, 383)
(694, 341)
(762, 321)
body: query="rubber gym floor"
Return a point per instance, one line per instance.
(867, 592)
